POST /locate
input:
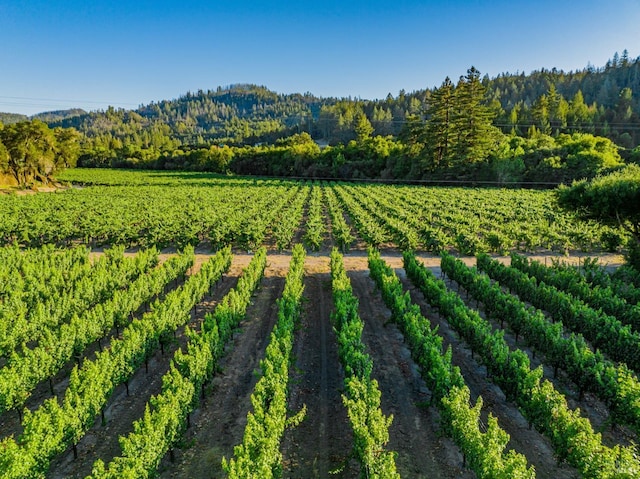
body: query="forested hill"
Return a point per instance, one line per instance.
(600, 85)
(234, 114)
(544, 127)
(8, 118)
(604, 101)
(47, 116)
(58, 115)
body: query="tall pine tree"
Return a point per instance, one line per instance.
(475, 135)
(439, 129)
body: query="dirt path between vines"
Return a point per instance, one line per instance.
(422, 451)
(320, 446)
(218, 424)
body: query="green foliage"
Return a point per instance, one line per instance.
(289, 219)
(166, 415)
(35, 321)
(484, 449)
(591, 100)
(57, 424)
(542, 158)
(26, 367)
(613, 198)
(162, 209)
(33, 152)
(8, 118)
(340, 230)
(315, 227)
(545, 408)
(362, 396)
(614, 384)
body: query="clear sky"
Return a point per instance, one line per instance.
(58, 54)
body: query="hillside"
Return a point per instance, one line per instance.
(236, 114)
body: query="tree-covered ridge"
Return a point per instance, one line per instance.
(604, 101)
(46, 116)
(601, 101)
(58, 115)
(511, 129)
(8, 118)
(235, 114)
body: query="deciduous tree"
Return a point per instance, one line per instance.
(613, 198)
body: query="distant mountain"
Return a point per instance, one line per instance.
(57, 115)
(47, 116)
(8, 118)
(236, 113)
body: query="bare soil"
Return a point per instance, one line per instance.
(422, 451)
(321, 445)
(218, 424)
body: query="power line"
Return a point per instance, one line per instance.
(64, 100)
(55, 103)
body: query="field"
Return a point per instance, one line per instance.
(156, 323)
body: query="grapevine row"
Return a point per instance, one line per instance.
(571, 435)
(22, 373)
(108, 275)
(404, 234)
(362, 398)
(55, 425)
(429, 234)
(340, 230)
(569, 280)
(484, 451)
(315, 224)
(369, 228)
(596, 275)
(259, 453)
(617, 386)
(144, 215)
(259, 217)
(167, 415)
(39, 273)
(289, 219)
(603, 331)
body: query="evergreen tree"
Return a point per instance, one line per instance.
(578, 110)
(440, 129)
(362, 127)
(475, 134)
(540, 112)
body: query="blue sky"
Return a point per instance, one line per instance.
(91, 54)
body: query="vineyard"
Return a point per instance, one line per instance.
(189, 325)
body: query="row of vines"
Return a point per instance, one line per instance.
(174, 209)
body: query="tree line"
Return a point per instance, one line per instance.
(455, 138)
